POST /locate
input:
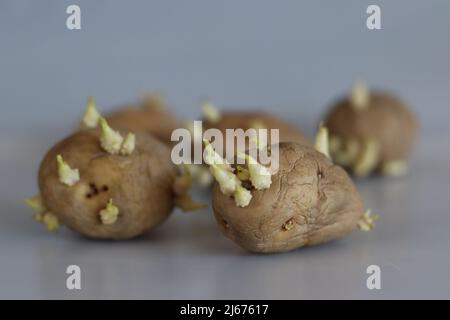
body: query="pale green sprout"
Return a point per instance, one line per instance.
(66, 174)
(35, 203)
(230, 185)
(368, 158)
(128, 144)
(395, 168)
(367, 221)
(212, 157)
(41, 214)
(110, 140)
(210, 112)
(91, 115)
(109, 214)
(242, 196)
(359, 96)
(227, 180)
(51, 221)
(321, 143)
(260, 176)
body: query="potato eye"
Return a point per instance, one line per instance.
(288, 225)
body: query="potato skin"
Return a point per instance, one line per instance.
(158, 122)
(246, 119)
(139, 184)
(317, 196)
(386, 119)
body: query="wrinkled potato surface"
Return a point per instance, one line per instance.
(139, 184)
(310, 201)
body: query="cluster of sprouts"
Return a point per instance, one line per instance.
(110, 140)
(230, 183)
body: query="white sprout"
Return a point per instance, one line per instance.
(66, 174)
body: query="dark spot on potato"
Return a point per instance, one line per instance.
(93, 188)
(225, 224)
(105, 188)
(247, 184)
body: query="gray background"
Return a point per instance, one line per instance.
(296, 56)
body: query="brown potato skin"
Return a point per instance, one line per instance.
(245, 119)
(156, 121)
(386, 119)
(318, 196)
(139, 184)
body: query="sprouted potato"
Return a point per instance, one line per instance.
(308, 201)
(109, 184)
(371, 132)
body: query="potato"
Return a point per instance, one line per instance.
(309, 201)
(103, 195)
(371, 131)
